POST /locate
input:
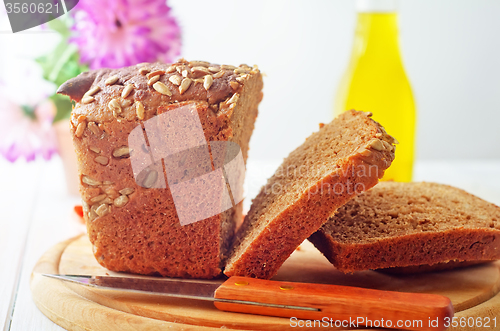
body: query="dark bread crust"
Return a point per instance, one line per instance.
(144, 236)
(261, 246)
(446, 225)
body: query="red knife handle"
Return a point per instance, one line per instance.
(397, 310)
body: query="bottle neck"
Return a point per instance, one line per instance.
(377, 32)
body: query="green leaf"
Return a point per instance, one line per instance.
(63, 107)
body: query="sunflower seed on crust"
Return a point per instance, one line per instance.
(144, 70)
(102, 210)
(240, 71)
(234, 85)
(175, 79)
(94, 128)
(102, 160)
(121, 201)
(153, 80)
(170, 69)
(219, 74)
(139, 109)
(227, 67)
(114, 105)
(186, 82)
(214, 69)
(127, 90)
(376, 144)
(90, 181)
(95, 149)
(150, 179)
(98, 198)
(111, 80)
(79, 129)
(233, 99)
(156, 72)
(199, 71)
(87, 99)
(185, 73)
(121, 152)
(92, 91)
(162, 88)
(199, 63)
(82, 118)
(127, 191)
(208, 80)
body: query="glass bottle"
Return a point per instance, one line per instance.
(376, 81)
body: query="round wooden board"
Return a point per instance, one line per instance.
(472, 290)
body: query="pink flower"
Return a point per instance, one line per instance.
(26, 136)
(119, 33)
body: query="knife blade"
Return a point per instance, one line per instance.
(293, 300)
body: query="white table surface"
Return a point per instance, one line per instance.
(36, 213)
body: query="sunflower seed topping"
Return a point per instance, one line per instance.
(175, 79)
(114, 106)
(170, 69)
(92, 91)
(186, 82)
(87, 99)
(200, 71)
(102, 160)
(121, 201)
(162, 88)
(233, 99)
(376, 144)
(127, 191)
(199, 63)
(94, 128)
(234, 85)
(95, 149)
(207, 81)
(91, 181)
(240, 71)
(111, 80)
(227, 67)
(214, 69)
(153, 80)
(82, 118)
(144, 70)
(185, 73)
(79, 129)
(98, 198)
(154, 73)
(121, 152)
(139, 109)
(127, 90)
(219, 74)
(150, 179)
(102, 210)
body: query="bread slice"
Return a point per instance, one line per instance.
(410, 224)
(135, 228)
(342, 159)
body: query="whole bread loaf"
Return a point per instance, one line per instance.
(132, 222)
(398, 225)
(341, 160)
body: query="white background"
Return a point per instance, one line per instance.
(451, 51)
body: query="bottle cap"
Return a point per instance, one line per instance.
(376, 6)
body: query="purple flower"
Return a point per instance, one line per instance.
(118, 33)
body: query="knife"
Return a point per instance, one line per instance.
(344, 305)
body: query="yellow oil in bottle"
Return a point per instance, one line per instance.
(376, 81)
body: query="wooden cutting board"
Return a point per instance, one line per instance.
(473, 291)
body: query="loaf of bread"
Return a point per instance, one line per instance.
(342, 159)
(133, 222)
(396, 225)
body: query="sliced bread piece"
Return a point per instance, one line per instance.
(342, 159)
(410, 224)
